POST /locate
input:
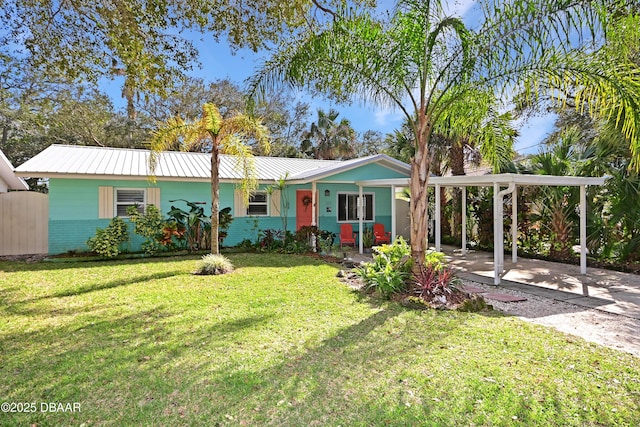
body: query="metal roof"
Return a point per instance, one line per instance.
(8, 176)
(74, 161)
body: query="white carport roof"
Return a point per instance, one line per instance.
(503, 179)
(497, 181)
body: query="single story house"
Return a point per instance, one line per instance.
(88, 186)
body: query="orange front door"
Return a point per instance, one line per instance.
(304, 208)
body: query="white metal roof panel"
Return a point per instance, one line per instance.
(99, 162)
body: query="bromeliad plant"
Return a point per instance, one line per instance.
(434, 283)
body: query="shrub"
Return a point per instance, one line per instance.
(107, 241)
(322, 237)
(246, 245)
(149, 225)
(398, 252)
(435, 259)
(390, 270)
(384, 276)
(214, 264)
(270, 239)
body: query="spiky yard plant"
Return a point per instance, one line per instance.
(214, 264)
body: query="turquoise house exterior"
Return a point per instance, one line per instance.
(88, 186)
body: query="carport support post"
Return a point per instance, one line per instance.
(514, 225)
(583, 230)
(464, 221)
(438, 225)
(393, 213)
(497, 240)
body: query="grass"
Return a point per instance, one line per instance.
(281, 341)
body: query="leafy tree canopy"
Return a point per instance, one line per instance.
(146, 41)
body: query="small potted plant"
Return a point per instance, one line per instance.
(367, 239)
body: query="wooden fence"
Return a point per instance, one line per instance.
(24, 223)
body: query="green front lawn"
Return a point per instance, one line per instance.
(282, 342)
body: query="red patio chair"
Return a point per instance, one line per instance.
(379, 235)
(347, 236)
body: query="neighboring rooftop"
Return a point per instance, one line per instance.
(8, 179)
(99, 162)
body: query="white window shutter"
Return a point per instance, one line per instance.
(105, 202)
(239, 208)
(153, 196)
(275, 203)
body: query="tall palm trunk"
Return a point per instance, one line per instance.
(215, 196)
(419, 207)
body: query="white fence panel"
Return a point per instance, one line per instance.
(24, 223)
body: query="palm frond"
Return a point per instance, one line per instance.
(247, 127)
(211, 118)
(244, 162)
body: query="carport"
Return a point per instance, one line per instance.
(503, 184)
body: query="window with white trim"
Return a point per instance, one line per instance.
(348, 207)
(125, 197)
(258, 204)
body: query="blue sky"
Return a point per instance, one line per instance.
(218, 62)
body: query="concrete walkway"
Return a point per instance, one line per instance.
(608, 291)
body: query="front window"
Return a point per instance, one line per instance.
(348, 207)
(258, 204)
(126, 197)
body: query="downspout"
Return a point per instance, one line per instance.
(498, 229)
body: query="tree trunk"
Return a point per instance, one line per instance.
(419, 208)
(215, 197)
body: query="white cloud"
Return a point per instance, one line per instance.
(458, 8)
(386, 118)
(533, 132)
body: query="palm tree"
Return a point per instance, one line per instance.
(329, 140)
(217, 135)
(564, 156)
(421, 61)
